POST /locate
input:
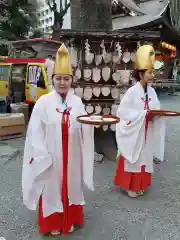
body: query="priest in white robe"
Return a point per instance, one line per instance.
(140, 137)
(58, 155)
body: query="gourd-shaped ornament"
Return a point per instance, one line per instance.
(89, 57)
(118, 53)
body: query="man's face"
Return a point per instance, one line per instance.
(62, 83)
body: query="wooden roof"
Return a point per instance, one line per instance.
(152, 7)
(150, 12)
(120, 35)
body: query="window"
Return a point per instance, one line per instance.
(35, 75)
(4, 73)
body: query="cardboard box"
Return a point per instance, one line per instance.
(21, 108)
(12, 126)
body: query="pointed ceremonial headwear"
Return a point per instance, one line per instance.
(145, 58)
(62, 64)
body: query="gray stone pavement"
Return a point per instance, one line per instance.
(109, 213)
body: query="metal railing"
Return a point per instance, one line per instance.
(166, 83)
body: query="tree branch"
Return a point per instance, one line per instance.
(67, 6)
(48, 3)
(61, 6)
(66, 2)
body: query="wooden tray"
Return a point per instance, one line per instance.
(106, 120)
(166, 113)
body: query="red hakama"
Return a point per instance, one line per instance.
(131, 181)
(134, 181)
(72, 214)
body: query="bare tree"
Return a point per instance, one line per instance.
(58, 14)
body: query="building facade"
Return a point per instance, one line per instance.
(46, 17)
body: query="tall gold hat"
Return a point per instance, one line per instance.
(62, 64)
(145, 57)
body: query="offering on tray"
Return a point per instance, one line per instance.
(98, 119)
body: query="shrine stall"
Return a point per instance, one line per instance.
(102, 63)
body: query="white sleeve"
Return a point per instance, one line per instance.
(87, 133)
(36, 159)
(36, 139)
(126, 111)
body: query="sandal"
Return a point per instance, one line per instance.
(71, 229)
(135, 194)
(55, 233)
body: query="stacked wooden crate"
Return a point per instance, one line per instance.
(12, 126)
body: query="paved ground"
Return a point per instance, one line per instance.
(109, 214)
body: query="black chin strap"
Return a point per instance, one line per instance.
(146, 93)
(63, 96)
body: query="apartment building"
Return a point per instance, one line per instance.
(46, 17)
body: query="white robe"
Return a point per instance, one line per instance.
(130, 131)
(44, 144)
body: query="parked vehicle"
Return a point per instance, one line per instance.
(26, 79)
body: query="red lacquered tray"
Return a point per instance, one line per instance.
(166, 113)
(98, 120)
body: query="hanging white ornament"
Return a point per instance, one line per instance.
(105, 91)
(106, 73)
(78, 73)
(98, 59)
(105, 128)
(87, 93)
(79, 91)
(96, 91)
(113, 127)
(98, 109)
(115, 93)
(87, 74)
(89, 109)
(126, 56)
(106, 110)
(96, 74)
